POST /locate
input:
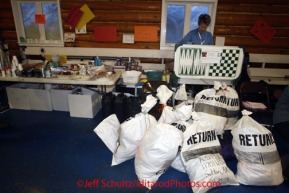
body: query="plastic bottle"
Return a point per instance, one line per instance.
(17, 72)
(8, 71)
(14, 66)
(13, 70)
(55, 60)
(15, 60)
(47, 70)
(168, 76)
(164, 77)
(3, 73)
(20, 68)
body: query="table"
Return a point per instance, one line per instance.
(103, 82)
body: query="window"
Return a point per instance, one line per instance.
(33, 33)
(181, 16)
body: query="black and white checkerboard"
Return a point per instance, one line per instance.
(227, 66)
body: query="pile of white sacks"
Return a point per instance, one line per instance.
(185, 138)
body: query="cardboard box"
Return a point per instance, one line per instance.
(59, 96)
(39, 99)
(18, 96)
(84, 103)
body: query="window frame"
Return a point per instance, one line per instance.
(212, 12)
(20, 30)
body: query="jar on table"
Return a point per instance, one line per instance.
(55, 60)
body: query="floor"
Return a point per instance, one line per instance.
(44, 152)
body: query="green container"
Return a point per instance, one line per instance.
(154, 75)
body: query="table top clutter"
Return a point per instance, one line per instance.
(105, 81)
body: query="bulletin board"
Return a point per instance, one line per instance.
(40, 18)
(146, 33)
(105, 33)
(263, 31)
(74, 16)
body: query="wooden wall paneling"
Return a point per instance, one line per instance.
(237, 8)
(234, 20)
(245, 31)
(14, 53)
(222, 30)
(121, 27)
(9, 35)
(90, 37)
(114, 6)
(5, 5)
(150, 60)
(243, 19)
(261, 50)
(7, 25)
(123, 1)
(280, 43)
(6, 14)
(12, 44)
(103, 16)
(258, 2)
(116, 13)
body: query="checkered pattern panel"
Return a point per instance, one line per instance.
(227, 66)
